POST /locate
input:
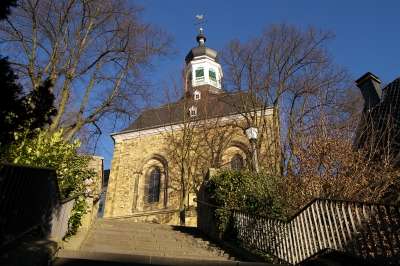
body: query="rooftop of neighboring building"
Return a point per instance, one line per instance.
(381, 116)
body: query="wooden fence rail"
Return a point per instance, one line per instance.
(367, 230)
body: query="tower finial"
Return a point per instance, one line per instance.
(200, 38)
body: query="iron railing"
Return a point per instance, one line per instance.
(29, 197)
(368, 230)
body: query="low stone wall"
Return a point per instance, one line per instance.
(95, 164)
(169, 217)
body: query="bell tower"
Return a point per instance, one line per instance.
(202, 71)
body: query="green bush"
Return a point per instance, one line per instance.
(245, 191)
(78, 210)
(50, 150)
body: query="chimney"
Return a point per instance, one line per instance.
(370, 89)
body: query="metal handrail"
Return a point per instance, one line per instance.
(367, 230)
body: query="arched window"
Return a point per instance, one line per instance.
(154, 186)
(237, 162)
(200, 74)
(213, 76)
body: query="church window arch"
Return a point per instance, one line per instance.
(153, 192)
(237, 162)
(200, 74)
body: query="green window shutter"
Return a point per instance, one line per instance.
(212, 74)
(199, 72)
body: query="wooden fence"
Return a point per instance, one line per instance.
(367, 230)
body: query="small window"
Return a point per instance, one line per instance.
(196, 95)
(193, 111)
(237, 162)
(154, 185)
(199, 74)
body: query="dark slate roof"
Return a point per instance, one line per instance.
(209, 106)
(382, 122)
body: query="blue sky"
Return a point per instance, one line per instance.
(367, 32)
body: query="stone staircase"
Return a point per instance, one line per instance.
(115, 242)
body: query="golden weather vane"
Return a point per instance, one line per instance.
(200, 17)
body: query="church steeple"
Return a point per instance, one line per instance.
(202, 71)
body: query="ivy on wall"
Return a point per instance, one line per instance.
(256, 193)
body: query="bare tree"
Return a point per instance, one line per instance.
(196, 138)
(291, 71)
(329, 166)
(97, 53)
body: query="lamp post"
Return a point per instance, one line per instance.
(252, 133)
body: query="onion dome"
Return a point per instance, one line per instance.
(201, 50)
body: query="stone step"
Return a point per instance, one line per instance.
(137, 227)
(161, 254)
(87, 262)
(141, 236)
(145, 240)
(69, 257)
(155, 249)
(149, 242)
(124, 237)
(136, 232)
(145, 244)
(120, 223)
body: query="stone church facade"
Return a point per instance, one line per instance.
(162, 158)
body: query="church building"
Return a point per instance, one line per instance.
(161, 159)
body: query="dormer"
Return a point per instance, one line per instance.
(196, 95)
(202, 67)
(193, 111)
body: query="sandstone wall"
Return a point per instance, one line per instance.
(95, 185)
(133, 161)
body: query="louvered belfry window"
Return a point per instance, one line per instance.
(213, 76)
(199, 74)
(154, 185)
